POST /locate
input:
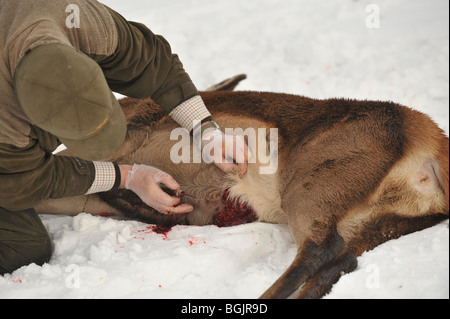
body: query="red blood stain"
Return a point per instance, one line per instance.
(234, 213)
(16, 281)
(194, 240)
(158, 229)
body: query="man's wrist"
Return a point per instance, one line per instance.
(205, 128)
(124, 170)
(198, 124)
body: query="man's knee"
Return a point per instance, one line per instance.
(23, 240)
(14, 256)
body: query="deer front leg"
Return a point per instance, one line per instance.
(71, 206)
(313, 253)
(320, 284)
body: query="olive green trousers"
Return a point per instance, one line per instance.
(23, 240)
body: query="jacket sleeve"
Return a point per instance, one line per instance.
(29, 175)
(143, 66)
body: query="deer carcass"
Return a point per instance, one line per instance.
(350, 175)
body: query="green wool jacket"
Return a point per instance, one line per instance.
(135, 62)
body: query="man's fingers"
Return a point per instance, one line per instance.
(243, 164)
(239, 153)
(167, 204)
(243, 169)
(162, 197)
(168, 180)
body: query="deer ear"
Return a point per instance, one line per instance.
(425, 180)
(227, 85)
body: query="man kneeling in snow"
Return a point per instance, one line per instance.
(56, 79)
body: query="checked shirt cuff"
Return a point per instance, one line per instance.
(190, 112)
(107, 177)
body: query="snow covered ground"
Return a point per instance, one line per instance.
(315, 48)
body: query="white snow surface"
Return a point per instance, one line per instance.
(315, 48)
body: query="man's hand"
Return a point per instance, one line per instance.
(146, 182)
(226, 151)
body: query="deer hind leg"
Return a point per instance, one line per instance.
(409, 199)
(398, 207)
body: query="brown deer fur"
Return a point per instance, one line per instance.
(352, 175)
